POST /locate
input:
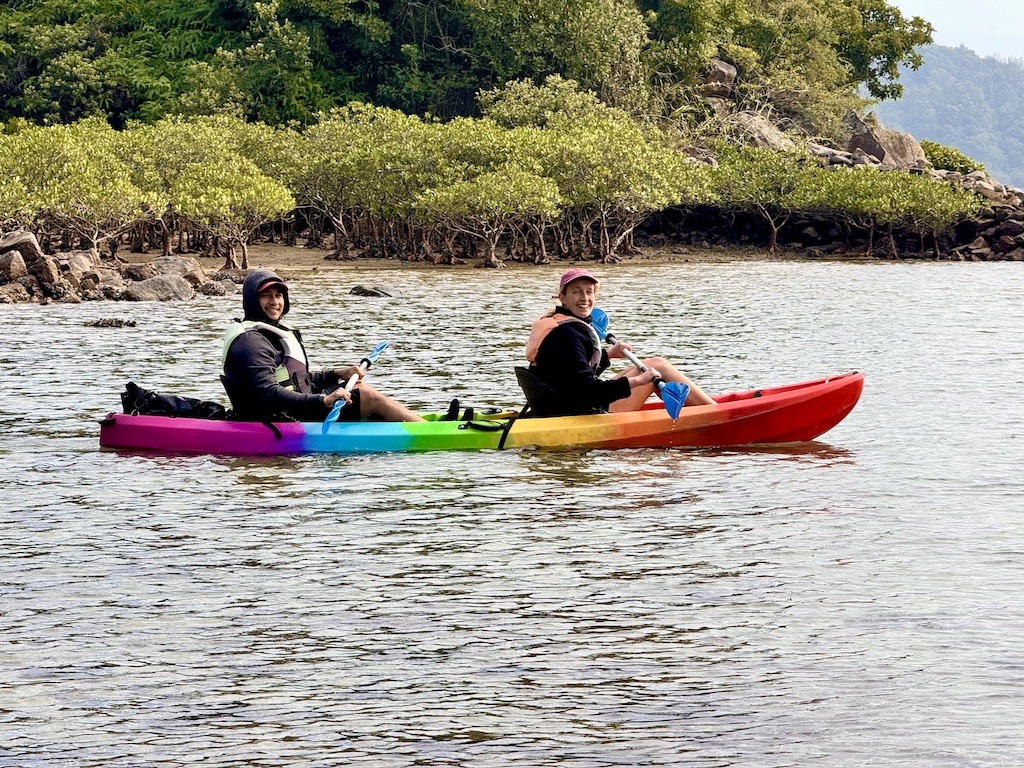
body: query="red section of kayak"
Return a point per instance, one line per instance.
(787, 414)
(784, 414)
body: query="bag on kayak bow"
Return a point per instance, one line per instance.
(138, 401)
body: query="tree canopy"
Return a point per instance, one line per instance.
(285, 61)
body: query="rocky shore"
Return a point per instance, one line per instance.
(28, 274)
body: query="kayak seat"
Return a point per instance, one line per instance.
(453, 411)
(541, 399)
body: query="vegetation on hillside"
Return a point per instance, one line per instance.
(284, 61)
(962, 100)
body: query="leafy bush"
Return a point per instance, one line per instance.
(949, 159)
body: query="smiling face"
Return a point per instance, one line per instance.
(579, 297)
(272, 302)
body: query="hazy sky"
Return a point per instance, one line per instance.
(987, 27)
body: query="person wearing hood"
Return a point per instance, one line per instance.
(567, 359)
(266, 369)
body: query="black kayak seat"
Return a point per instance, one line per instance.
(543, 400)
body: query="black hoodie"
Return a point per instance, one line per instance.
(250, 368)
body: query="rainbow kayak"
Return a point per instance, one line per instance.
(784, 414)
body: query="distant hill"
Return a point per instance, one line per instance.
(962, 100)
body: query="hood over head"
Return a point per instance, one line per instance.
(254, 283)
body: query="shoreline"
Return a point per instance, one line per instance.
(298, 259)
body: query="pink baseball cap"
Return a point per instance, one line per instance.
(574, 274)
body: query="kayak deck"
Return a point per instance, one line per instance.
(783, 414)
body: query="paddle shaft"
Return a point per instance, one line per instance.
(673, 394)
(364, 364)
(610, 338)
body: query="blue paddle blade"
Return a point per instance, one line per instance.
(599, 319)
(331, 417)
(375, 352)
(673, 394)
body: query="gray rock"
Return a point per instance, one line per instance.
(219, 288)
(138, 272)
(893, 149)
(375, 290)
(1011, 227)
(46, 270)
(178, 265)
(74, 264)
(110, 322)
(160, 288)
(23, 242)
(100, 279)
(760, 132)
(719, 78)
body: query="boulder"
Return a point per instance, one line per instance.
(12, 266)
(183, 266)
(63, 291)
(1011, 227)
(139, 272)
(719, 78)
(13, 293)
(31, 285)
(46, 270)
(234, 275)
(894, 149)
(102, 279)
(760, 132)
(374, 290)
(160, 288)
(74, 264)
(110, 322)
(23, 242)
(218, 288)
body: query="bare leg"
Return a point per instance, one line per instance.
(373, 403)
(668, 372)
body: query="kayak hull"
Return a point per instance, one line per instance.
(784, 414)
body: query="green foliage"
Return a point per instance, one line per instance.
(75, 179)
(283, 62)
(777, 185)
(878, 42)
(589, 173)
(230, 197)
(949, 158)
(556, 102)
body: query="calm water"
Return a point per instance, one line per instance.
(852, 602)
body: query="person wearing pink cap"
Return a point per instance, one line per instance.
(266, 370)
(567, 359)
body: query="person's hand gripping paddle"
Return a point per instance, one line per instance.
(364, 364)
(673, 393)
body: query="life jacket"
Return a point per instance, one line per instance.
(292, 372)
(546, 324)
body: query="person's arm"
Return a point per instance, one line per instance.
(252, 364)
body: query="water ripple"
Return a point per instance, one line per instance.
(851, 601)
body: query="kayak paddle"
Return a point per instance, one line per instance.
(364, 364)
(673, 393)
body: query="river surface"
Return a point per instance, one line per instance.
(856, 601)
